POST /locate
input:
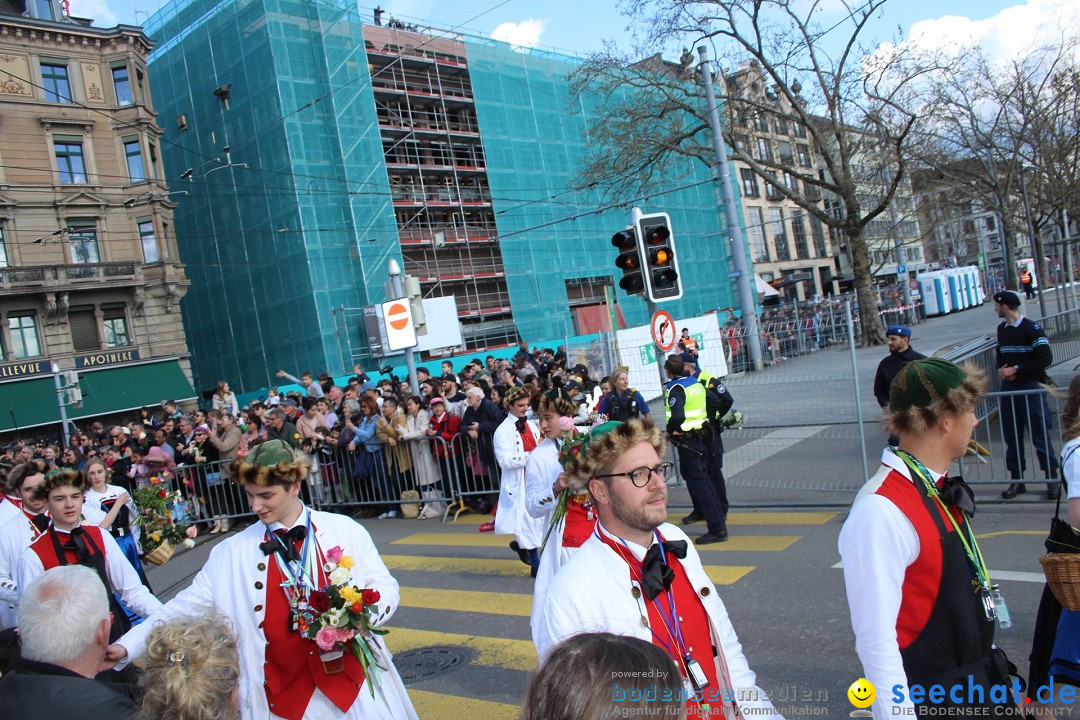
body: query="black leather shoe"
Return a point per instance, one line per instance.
(523, 555)
(1013, 490)
(692, 518)
(710, 538)
(1053, 491)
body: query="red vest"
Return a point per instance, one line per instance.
(292, 667)
(691, 619)
(528, 440)
(579, 526)
(46, 551)
(923, 577)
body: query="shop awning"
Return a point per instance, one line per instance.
(32, 402)
(764, 288)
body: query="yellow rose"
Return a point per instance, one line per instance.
(156, 536)
(346, 562)
(349, 594)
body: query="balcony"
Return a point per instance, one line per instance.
(22, 278)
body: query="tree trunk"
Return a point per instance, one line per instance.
(873, 332)
(1008, 253)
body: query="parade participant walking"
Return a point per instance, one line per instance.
(120, 514)
(16, 535)
(689, 430)
(264, 579)
(909, 553)
(623, 402)
(1023, 357)
(514, 439)
(545, 482)
(68, 541)
(638, 575)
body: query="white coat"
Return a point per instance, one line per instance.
(423, 462)
(541, 471)
(15, 536)
(231, 583)
(592, 593)
(512, 518)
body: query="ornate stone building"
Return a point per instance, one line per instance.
(90, 278)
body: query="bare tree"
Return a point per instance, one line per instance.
(819, 78)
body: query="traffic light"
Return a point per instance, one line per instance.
(662, 281)
(73, 396)
(629, 261)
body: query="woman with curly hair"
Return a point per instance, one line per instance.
(192, 670)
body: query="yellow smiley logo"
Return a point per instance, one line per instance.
(862, 693)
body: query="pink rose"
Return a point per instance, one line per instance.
(335, 554)
(344, 635)
(326, 638)
(566, 423)
(192, 531)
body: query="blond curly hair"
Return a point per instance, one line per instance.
(192, 670)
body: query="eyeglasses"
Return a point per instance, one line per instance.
(642, 475)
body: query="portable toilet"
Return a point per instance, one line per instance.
(952, 287)
(933, 287)
(976, 278)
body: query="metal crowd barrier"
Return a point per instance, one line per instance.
(1018, 438)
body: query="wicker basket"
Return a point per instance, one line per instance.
(161, 554)
(1062, 572)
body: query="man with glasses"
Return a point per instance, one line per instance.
(639, 575)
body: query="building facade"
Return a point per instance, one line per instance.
(789, 246)
(352, 143)
(90, 276)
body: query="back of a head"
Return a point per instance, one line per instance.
(192, 670)
(60, 613)
(578, 680)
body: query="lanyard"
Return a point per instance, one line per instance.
(298, 575)
(971, 547)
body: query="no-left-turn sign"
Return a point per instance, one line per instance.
(663, 330)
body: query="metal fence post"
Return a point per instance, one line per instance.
(858, 394)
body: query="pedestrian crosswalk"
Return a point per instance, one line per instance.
(463, 589)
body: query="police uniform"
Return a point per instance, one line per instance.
(1024, 346)
(623, 406)
(685, 410)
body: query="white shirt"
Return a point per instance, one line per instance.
(122, 575)
(15, 536)
(1070, 466)
(877, 544)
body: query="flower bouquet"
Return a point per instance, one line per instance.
(155, 504)
(570, 450)
(733, 419)
(341, 618)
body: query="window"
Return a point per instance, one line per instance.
(764, 150)
(148, 240)
(792, 182)
(779, 234)
(122, 83)
(761, 122)
(798, 130)
(140, 80)
(24, 337)
(798, 232)
(817, 230)
(743, 144)
(991, 224)
(3, 248)
(756, 230)
(749, 183)
(115, 320)
(70, 162)
(914, 254)
(54, 79)
(772, 192)
(133, 154)
(165, 237)
(804, 155)
(82, 319)
(83, 241)
(153, 159)
(784, 150)
(42, 9)
(781, 126)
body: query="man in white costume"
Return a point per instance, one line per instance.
(514, 439)
(545, 481)
(281, 671)
(17, 533)
(638, 575)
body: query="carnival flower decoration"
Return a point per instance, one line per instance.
(572, 444)
(733, 419)
(157, 504)
(341, 618)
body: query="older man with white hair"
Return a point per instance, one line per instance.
(64, 628)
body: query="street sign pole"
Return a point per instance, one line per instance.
(410, 360)
(61, 402)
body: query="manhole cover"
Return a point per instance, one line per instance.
(430, 662)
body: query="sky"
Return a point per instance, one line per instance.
(577, 27)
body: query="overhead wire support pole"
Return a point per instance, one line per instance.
(738, 243)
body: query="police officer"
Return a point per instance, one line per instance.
(1023, 356)
(689, 430)
(623, 402)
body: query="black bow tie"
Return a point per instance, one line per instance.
(520, 425)
(954, 491)
(656, 574)
(40, 521)
(284, 542)
(77, 543)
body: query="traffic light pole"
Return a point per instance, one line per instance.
(738, 243)
(410, 360)
(61, 402)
